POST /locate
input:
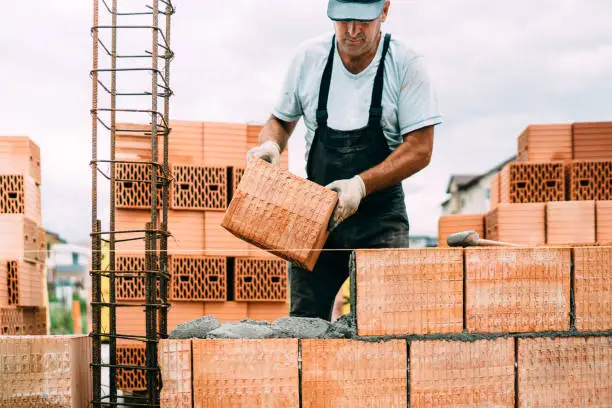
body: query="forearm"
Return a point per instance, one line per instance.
(409, 158)
(277, 131)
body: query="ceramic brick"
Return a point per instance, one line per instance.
(592, 141)
(494, 192)
(539, 143)
(19, 154)
(187, 229)
(220, 241)
(260, 279)
(20, 194)
(131, 354)
(238, 372)
(253, 141)
(603, 221)
(593, 288)
(225, 144)
(198, 278)
(174, 358)
(563, 219)
(275, 209)
(352, 373)
(230, 311)
(517, 223)
(34, 320)
(517, 289)
(532, 182)
(132, 320)
(25, 283)
(589, 180)
(565, 372)
(11, 321)
(462, 374)
(133, 189)
(132, 220)
(199, 188)
(20, 238)
(453, 223)
(4, 297)
(268, 311)
(409, 291)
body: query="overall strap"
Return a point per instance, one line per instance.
(377, 91)
(322, 114)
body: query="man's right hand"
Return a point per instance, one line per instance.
(269, 151)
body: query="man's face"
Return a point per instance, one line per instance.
(356, 38)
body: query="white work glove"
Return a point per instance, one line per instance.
(350, 193)
(269, 151)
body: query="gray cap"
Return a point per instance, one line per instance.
(366, 10)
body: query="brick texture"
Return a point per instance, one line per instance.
(132, 220)
(174, 358)
(198, 278)
(260, 280)
(563, 219)
(409, 291)
(462, 374)
(565, 372)
(133, 188)
(452, 223)
(25, 283)
(494, 192)
(275, 209)
(539, 143)
(188, 232)
(19, 238)
(517, 223)
(132, 320)
(220, 241)
(517, 289)
(589, 180)
(20, 194)
(225, 144)
(268, 311)
(19, 154)
(349, 373)
(45, 371)
(131, 354)
(11, 321)
(593, 141)
(532, 182)
(4, 297)
(236, 373)
(603, 221)
(253, 141)
(229, 311)
(34, 320)
(199, 188)
(593, 288)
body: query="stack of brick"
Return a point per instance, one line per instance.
(22, 239)
(45, 371)
(434, 327)
(212, 271)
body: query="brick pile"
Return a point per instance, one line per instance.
(22, 239)
(567, 168)
(212, 271)
(434, 327)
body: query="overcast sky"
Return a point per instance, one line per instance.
(496, 66)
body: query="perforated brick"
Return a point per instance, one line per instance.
(225, 144)
(517, 289)
(13, 282)
(188, 232)
(133, 186)
(4, 297)
(276, 210)
(453, 223)
(19, 154)
(592, 141)
(130, 284)
(494, 192)
(199, 278)
(562, 219)
(260, 279)
(237, 174)
(603, 221)
(532, 182)
(590, 180)
(253, 132)
(11, 321)
(462, 374)
(593, 288)
(409, 291)
(565, 372)
(523, 224)
(20, 194)
(34, 320)
(174, 358)
(131, 379)
(25, 284)
(236, 373)
(540, 143)
(199, 187)
(20, 238)
(352, 373)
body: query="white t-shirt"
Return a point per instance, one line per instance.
(409, 102)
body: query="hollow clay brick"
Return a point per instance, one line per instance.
(453, 223)
(590, 180)
(517, 289)
(245, 373)
(133, 186)
(532, 182)
(11, 321)
(4, 297)
(409, 291)
(198, 278)
(276, 210)
(25, 283)
(565, 372)
(231, 311)
(19, 154)
(593, 288)
(603, 221)
(494, 192)
(570, 222)
(131, 354)
(592, 141)
(517, 223)
(20, 194)
(268, 311)
(352, 373)
(225, 144)
(462, 374)
(262, 280)
(540, 143)
(220, 241)
(174, 358)
(197, 187)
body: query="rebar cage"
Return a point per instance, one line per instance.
(129, 86)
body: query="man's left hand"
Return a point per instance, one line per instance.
(350, 193)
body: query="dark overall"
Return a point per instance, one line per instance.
(381, 220)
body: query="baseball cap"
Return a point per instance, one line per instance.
(365, 10)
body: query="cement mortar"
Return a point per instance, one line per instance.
(242, 330)
(197, 328)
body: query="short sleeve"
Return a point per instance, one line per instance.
(288, 106)
(418, 106)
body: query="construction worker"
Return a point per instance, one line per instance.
(370, 111)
